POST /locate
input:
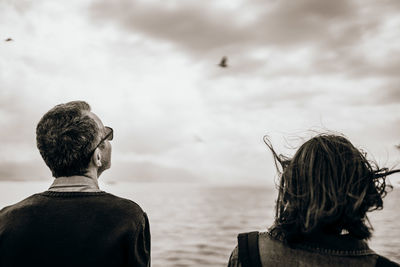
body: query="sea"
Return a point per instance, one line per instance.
(197, 224)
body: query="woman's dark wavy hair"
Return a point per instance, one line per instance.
(328, 186)
(65, 136)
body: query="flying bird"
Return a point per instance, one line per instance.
(8, 39)
(198, 139)
(223, 64)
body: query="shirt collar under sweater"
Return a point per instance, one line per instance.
(74, 184)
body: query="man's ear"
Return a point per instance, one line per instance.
(96, 158)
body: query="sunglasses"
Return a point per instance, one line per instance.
(109, 136)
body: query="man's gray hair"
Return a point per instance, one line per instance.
(65, 136)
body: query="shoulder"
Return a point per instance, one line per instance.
(385, 262)
(19, 211)
(266, 241)
(234, 258)
(246, 253)
(27, 202)
(123, 210)
(128, 215)
(122, 203)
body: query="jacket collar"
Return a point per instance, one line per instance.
(340, 245)
(336, 245)
(74, 184)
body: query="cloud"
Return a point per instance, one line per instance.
(193, 25)
(20, 6)
(340, 37)
(302, 22)
(202, 27)
(24, 171)
(387, 94)
(146, 171)
(149, 70)
(17, 121)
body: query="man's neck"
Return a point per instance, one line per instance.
(92, 173)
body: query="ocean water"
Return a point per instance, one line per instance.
(197, 224)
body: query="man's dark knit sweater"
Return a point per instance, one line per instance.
(74, 229)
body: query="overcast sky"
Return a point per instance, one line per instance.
(149, 69)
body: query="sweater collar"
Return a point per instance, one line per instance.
(74, 184)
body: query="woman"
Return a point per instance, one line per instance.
(325, 191)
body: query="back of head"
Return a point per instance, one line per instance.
(328, 186)
(65, 136)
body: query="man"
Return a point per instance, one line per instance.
(74, 223)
